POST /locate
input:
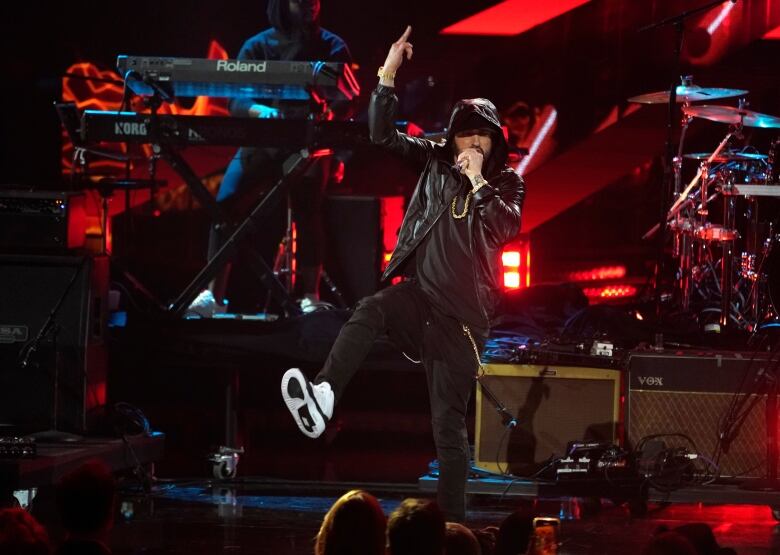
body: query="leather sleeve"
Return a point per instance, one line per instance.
(500, 206)
(381, 125)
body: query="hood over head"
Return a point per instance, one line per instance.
(474, 113)
(278, 12)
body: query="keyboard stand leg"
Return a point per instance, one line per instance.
(294, 167)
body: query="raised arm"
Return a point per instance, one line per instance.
(384, 105)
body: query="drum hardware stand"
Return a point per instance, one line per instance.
(285, 262)
(684, 242)
(686, 120)
(678, 23)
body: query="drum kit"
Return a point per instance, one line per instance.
(724, 223)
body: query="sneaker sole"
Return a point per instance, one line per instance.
(297, 395)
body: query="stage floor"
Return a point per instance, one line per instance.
(276, 517)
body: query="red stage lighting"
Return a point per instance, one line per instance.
(608, 292)
(774, 34)
(512, 17)
(596, 274)
(516, 263)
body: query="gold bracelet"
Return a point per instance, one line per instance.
(382, 74)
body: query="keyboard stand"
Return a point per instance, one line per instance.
(293, 168)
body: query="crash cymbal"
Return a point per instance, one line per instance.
(687, 93)
(726, 156)
(733, 115)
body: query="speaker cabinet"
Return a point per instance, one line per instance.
(361, 229)
(65, 375)
(690, 394)
(553, 405)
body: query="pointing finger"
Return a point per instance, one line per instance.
(406, 34)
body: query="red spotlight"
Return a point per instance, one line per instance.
(516, 262)
(512, 280)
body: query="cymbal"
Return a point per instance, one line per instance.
(687, 93)
(726, 156)
(733, 115)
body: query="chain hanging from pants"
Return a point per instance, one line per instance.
(467, 333)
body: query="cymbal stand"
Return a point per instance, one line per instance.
(727, 255)
(686, 120)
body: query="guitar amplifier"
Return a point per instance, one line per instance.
(553, 405)
(41, 222)
(65, 377)
(690, 393)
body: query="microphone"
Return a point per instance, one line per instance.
(461, 165)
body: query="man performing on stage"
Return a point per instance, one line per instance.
(465, 208)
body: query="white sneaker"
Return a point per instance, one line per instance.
(310, 405)
(204, 306)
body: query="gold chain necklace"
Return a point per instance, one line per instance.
(465, 206)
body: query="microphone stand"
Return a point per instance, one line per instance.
(50, 326)
(507, 418)
(678, 22)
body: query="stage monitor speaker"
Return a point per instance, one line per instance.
(689, 394)
(68, 369)
(553, 405)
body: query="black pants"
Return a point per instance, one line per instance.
(422, 332)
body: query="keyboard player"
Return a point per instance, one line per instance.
(295, 34)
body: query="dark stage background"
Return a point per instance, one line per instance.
(589, 204)
(584, 62)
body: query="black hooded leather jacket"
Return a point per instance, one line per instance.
(494, 219)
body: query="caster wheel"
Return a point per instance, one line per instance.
(224, 463)
(223, 471)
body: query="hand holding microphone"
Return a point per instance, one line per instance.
(469, 162)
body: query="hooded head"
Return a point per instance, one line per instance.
(294, 17)
(473, 114)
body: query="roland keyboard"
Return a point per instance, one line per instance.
(130, 127)
(262, 79)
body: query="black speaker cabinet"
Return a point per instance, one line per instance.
(357, 239)
(689, 394)
(65, 375)
(553, 405)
